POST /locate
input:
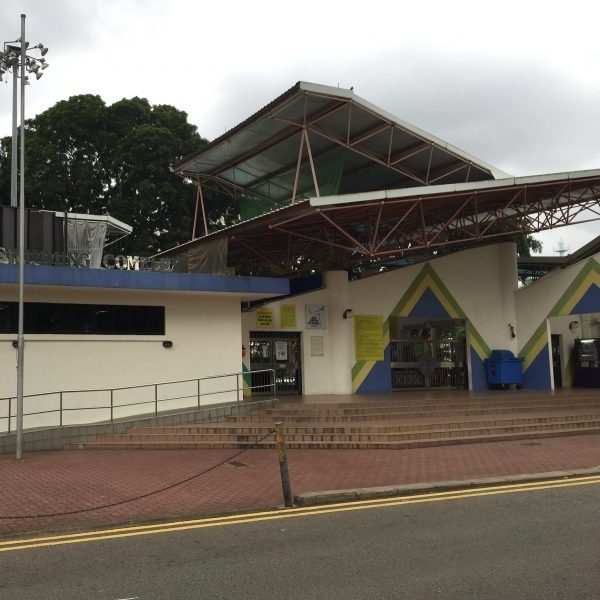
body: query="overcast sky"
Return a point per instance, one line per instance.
(516, 84)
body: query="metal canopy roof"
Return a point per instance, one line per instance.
(344, 232)
(317, 140)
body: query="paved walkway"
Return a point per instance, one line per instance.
(54, 482)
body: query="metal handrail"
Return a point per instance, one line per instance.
(155, 401)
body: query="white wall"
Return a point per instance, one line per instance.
(204, 329)
(481, 280)
(317, 374)
(534, 302)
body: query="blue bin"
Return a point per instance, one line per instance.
(504, 369)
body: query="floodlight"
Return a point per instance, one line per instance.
(38, 75)
(43, 49)
(45, 65)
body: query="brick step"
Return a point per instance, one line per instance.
(394, 445)
(366, 406)
(412, 400)
(405, 415)
(383, 427)
(443, 396)
(292, 437)
(356, 410)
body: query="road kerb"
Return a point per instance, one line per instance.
(333, 496)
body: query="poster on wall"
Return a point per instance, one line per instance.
(264, 318)
(368, 337)
(316, 345)
(287, 316)
(281, 350)
(316, 316)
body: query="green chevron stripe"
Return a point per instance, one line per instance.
(590, 266)
(475, 339)
(358, 365)
(476, 336)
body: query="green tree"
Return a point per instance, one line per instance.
(85, 156)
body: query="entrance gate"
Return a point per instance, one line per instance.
(429, 355)
(281, 351)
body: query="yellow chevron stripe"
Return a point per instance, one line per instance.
(474, 343)
(592, 278)
(428, 283)
(535, 350)
(362, 375)
(418, 292)
(569, 373)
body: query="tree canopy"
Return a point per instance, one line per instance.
(83, 155)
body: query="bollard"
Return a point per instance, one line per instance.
(283, 466)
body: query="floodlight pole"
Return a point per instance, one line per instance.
(20, 337)
(13, 170)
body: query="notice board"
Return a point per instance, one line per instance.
(287, 316)
(264, 318)
(368, 337)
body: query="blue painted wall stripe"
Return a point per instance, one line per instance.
(478, 374)
(144, 280)
(537, 376)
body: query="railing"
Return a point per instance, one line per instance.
(420, 364)
(78, 407)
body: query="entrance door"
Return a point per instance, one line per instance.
(428, 355)
(556, 360)
(281, 351)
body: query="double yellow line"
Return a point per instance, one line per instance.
(125, 532)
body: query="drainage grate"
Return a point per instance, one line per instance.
(236, 464)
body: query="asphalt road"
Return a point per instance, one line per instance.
(536, 544)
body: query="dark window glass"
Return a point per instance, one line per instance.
(81, 319)
(8, 316)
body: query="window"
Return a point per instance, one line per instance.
(82, 319)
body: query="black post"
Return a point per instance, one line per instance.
(283, 466)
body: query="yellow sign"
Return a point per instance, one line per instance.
(368, 337)
(264, 318)
(287, 316)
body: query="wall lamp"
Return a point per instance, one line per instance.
(347, 314)
(511, 327)
(167, 344)
(574, 325)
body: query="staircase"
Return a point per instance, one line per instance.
(404, 422)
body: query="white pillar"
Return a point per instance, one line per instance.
(509, 284)
(341, 335)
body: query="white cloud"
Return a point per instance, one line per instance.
(516, 83)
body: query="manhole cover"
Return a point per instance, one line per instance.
(236, 464)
